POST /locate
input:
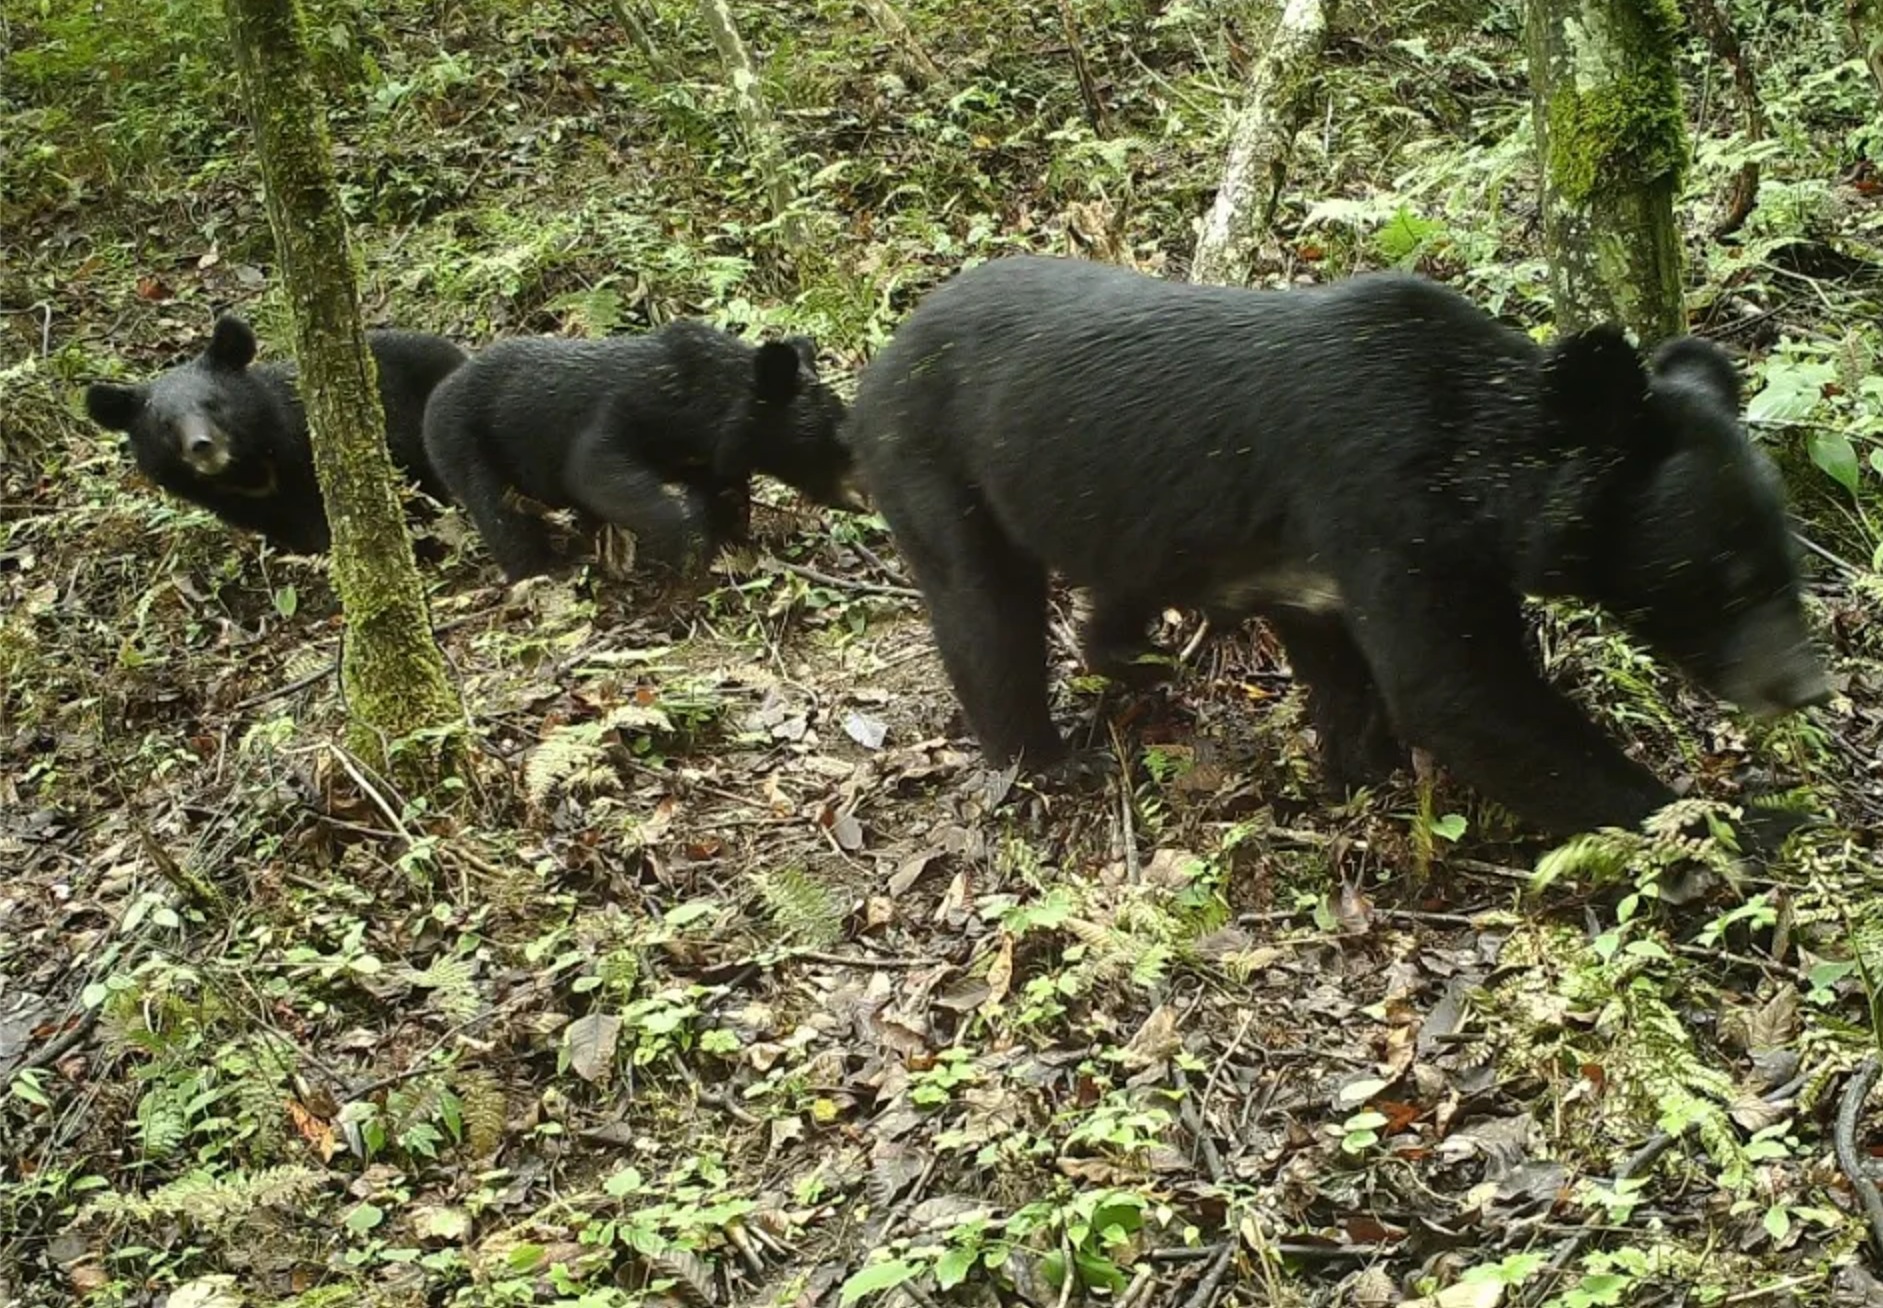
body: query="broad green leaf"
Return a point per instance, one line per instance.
(1449, 827)
(1358, 1092)
(952, 1268)
(1832, 452)
(1777, 1222)
(1792, 389)
(876, 1278)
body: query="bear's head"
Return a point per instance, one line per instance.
(208, 416)
(1683, 533)
(794, 428)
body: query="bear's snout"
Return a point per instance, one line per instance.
(1773, 669)
(202, 445)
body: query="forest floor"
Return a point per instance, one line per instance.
(732, 975)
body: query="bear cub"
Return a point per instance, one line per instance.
(660, 434)
(1376, 467)
(233, 438)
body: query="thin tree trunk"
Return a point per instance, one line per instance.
(1095, 112)
(1864, 19)
(391, 672)
(892, 24)
(1612, 144)
(762, 138)
(634, 19)
(1280, 93)
(1717, 27)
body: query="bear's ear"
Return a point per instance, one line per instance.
(114, 408)
(1700, 363)
(233, 345)
(1594, 382)
(776, 371)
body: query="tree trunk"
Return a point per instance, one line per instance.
(1865, 21)
(391, 671)
(1280, 93)
(1612, 143)
(892, 24)
(1717, 27)
(762, 137)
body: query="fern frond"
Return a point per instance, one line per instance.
(1661, 1059)
(806, 911)
(214, 1201)
(569, 757)
(453, 989)
(485, 1110)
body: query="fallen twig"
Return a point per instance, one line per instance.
(1844, 1142)
(1212, 1279)
(843, 583)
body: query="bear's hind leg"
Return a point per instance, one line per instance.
(1358, 747)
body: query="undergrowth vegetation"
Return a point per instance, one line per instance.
(728, 977)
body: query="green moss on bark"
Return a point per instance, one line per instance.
(391, 671)
(1612, 137)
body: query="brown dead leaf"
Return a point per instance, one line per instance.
(1354, 910)
(1774, 1024)
(590, 1042)
(964, 993)
(1000, 972)
(88, 1276)
(904, 1040)
(893, 1169)
(845, 829)
(318, 1134)
(1172, 869)
(1465, 1294)
(785, 1130)
(1095, 1171)
(955, 900)
(1155, 1041)
(911, 871)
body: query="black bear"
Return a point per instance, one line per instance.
(659, 434)
(1376, 466)
(233, 439)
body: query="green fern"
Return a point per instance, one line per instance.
(570, 757)
(453, 990)
(214, 1202)
(163, 1117)
(1600, 857)
(806, 911)
(1656, 1052)
(485, 1110)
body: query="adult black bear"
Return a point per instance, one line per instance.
(1376, 466)
(233, 438)
(659, 433)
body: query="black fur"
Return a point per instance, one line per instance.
(233, 438)
(660, 434)
(1376, 466)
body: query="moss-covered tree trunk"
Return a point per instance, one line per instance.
(1275, 103)
(763, 141)
(392, 673)
(1612, 143)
